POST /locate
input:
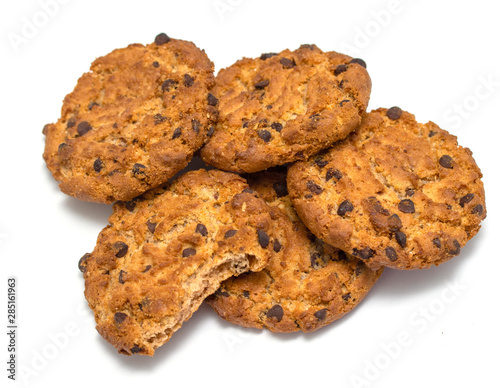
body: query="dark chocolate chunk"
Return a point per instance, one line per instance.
(202, 229)
(466, 199)
(120, 248)
(188, 80)
(195, 124)
(120, 317)
(347, 296)
(394, 223)
(456, 248)
(130, 205)
(340, 69)
(262, 84)
(177, 133)
(478, 209)
(314, 188)
(188, 252)
(246, 294)
(287, 63)
(83, 128)
(280, 189)
(277, 127)
(394, 113)
(275, 312)
(138, 168)
(212, 100)
(82, 263)
(390, 252)
(169, 84)
(314, 259)
(156, 64)
(135, 349)
(406, 206)
(432, 133)
(321, 314)
(98, 165)
(321, 163)
(345, 207)
(71, 122)
(400, 238)
(120, 277)
(151, 226)
(230, 233)
(267, 55)
(148, 267)
(360, 266)
(159, 119)
(263, 238)
(264, 135)
(365, 253)
(359, 61)
(437, 242)
(333, 173)
(276, 246)
(211, 131)
(161, 39)
(410, 193)
(446, 161)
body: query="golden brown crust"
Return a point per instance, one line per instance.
(164, 252)
(286, 107)
(305, 286)
(132, 122)
(395, 193)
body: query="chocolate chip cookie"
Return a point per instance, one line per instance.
(285, 107)
(164, 252)
(395, 193)
(306, 285)
(133, 121)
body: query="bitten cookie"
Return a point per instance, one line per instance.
(133, 121)
(164, 252)
(306, 285)
(395, 193)
(285, 107)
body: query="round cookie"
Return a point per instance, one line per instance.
(164, 252)
(395, 193)
(133, 121)
(306, 285)
(285, 107)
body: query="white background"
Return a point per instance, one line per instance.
(432, 58)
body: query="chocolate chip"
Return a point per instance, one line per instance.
(446, 161)
(246, 294)
(307, 46)
(340, 69)
(406, 206)
(98, 165)
(130, 205)
(120, 248)
(82, 263)
(341, 256)
(394, 113)
(195, 124)
(343, 102)
(156, 64)
(359, 268)
(230, 233)
(135, 349)
(314, 188)
(202, 229)
(466, 199)
(359, 61)
(394, 223)
(151, 226)
(159, 119)
(212, 100)
(188, 252)
(262, 84)
(432, 133)
(120, 317)
(245, 124)
(169, 84)
(188, 80)
(347, 296)
(377, 206)
(138, 168)
(71, 123)
(263, 238)
(437, 242)
(287, 63)
(248, 191)
(321, 314)
(210, 131)
(410, 193)
(269, 107)
(267, 56)
(177, 133)
(280, 189)
(277, 127)
(92, 104)
(321, 163)
(264, 135)
(345, 207)
(120, 277)
(148, 267)
(364, 253)
(275, 312)
(333, 173)
(390, 252)
(456, 248)
(224, 293)
(478, 209)
(400, 238)
(161, 39)
(314, 258)
(276, 246)
(83, 128)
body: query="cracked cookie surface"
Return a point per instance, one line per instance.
(164, 252)
(133, 121)
(395, 193)
(285, 107)
(305, 286)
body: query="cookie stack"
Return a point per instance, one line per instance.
(309, 199)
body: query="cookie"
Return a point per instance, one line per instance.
(164, 252)
(395, 193)
(285, 107)
(306, 285)
(133, 121)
